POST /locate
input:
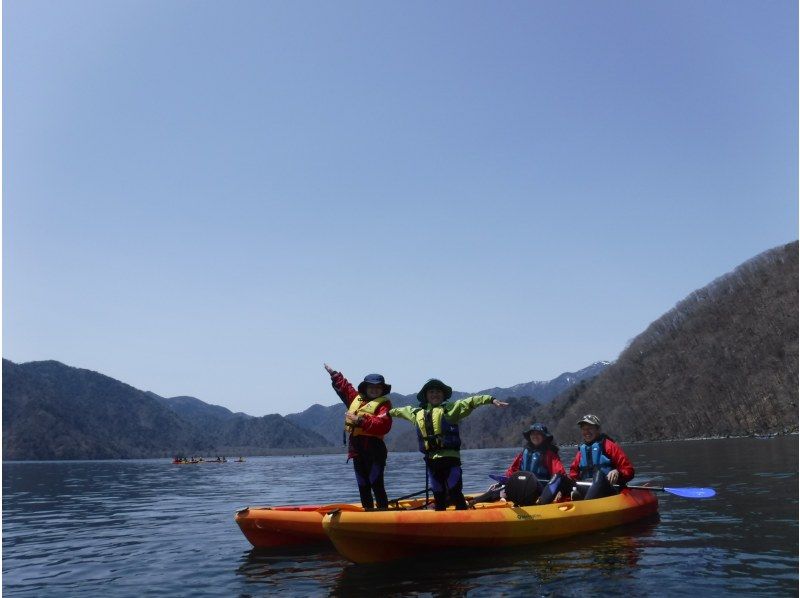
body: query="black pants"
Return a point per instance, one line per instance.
(444, 475)
(369, 467)
(600, 487)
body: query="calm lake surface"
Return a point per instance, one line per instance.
(147, 527)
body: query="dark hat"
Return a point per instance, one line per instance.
(541, 428)
(374, 379)
(434, 383)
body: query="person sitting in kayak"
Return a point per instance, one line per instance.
(435, 421)
(367, 421)
(539, 456)
(599, 459)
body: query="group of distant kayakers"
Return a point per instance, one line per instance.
(182, 460)
(536, 476)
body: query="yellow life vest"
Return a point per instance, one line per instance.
(359, 407)
(434, 432)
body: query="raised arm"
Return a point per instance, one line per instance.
(340, 384)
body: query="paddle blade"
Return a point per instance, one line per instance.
(498, 478)
(692, 492)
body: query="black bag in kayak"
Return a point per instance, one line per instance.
(522, 488)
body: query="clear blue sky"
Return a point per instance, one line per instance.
(214, 198)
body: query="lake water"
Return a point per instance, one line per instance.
(147, 527)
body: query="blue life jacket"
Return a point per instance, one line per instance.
(533, 461)
(434, 432)
(593, 458)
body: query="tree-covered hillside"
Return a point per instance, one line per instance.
(724, 361)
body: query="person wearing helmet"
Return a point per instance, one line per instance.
(599, 459)
(367, 421)
(436, 423)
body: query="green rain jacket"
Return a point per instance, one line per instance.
(453, 413)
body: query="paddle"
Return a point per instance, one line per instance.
(394, 500)
(350, 507)
(682, 492)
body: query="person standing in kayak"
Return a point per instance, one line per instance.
(599, 459)
(367, 421)
(435, 421)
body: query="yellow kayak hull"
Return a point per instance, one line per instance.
(371, 537)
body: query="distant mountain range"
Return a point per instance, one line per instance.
(723, 362)
(53, 411)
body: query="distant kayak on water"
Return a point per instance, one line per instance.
(194, 461)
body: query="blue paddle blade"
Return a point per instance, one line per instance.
(691, 492)
(498, 478)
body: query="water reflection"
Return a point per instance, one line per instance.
(291, 570)
(547, 567)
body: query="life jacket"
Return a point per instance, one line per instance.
(533, 461)
(434, 432)
(360, 407)
(593, 458)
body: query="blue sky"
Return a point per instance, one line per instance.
(214, 198)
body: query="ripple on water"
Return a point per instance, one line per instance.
(149, 528)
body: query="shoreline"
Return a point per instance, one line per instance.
(309, 452)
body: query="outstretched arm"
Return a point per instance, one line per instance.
(463, 407)
(404, 412)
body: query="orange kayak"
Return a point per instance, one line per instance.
(270, 527)
(367, 537)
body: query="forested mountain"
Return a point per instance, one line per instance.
(53, 411)
(724, 361)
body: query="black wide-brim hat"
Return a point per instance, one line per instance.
(541, 428)
(374, 379)
(434, 383)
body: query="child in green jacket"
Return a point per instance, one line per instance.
(435, 421)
